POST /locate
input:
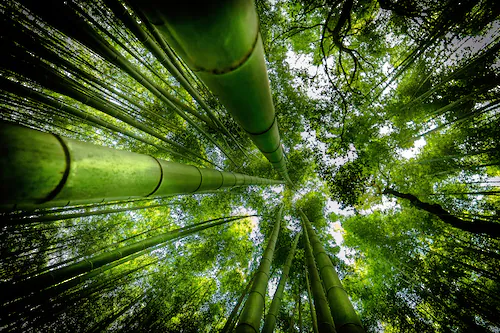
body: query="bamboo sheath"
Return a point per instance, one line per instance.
(42, 169)
(345, 317)
(222, 45)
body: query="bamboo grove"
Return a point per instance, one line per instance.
(247, 166)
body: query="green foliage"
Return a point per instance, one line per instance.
(313, 205)
(368, 95)
(349, 182)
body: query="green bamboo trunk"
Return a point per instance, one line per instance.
(231, 320)
(345, 317)
(221, 43)
(56, 276)
(156, 50)
(41, 168)
(254, 306)
(270, 322)
(311, 305)
(61, 217)
(324, 318)
(45, 297)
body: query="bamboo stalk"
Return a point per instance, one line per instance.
(40, 168)
(30, 93)
(51, 278)
(322, 310)
(254, 306)
(343, 313)
(163, 54)
(231, 320)
(51, 218)
(223, 46)
(74, 26)
(311, 306)
(272, 314)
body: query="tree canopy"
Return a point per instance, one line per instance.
(245, 151)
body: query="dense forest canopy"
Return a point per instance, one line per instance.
(386, 166)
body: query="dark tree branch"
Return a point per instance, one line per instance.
(475, 226)
(325, 64)
(294, 31)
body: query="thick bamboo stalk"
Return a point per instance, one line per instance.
(222, 45)
(150, 44)
(157, 46)
(53, 80)
(345, 317)
(270, 321)
(41, 168)
(254, 306)
(322, 310)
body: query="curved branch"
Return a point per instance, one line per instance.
(477, 226)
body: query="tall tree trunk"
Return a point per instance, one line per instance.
(270, 321)
(476, 226)
(311, 305)
(345, 317)
(229, 58)
(254, 306)
(41, 168)
(323, 315)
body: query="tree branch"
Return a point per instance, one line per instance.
(477, 226)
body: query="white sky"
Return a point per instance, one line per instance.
(412, 152)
